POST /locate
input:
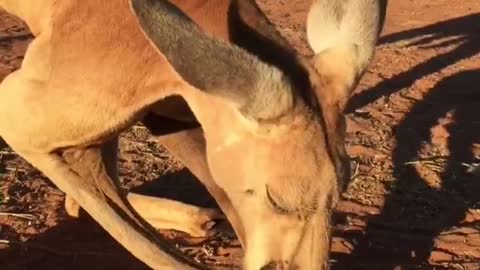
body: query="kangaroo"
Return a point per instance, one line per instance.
(268, 150)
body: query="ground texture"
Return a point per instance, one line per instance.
(413, 124)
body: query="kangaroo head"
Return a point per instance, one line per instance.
(272, 142)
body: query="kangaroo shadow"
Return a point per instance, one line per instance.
(3, 146)
(462, 31)
(414, 212)
(72, 244)
(180, 186)
(82, 244)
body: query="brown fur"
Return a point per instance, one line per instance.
(90, 73)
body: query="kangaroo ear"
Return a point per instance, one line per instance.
(343, 36)
(259, 90)
(251, 29)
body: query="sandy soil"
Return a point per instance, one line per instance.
(412, 123)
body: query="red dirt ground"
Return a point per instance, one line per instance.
(412, 123)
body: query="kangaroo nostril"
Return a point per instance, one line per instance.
(271, 266)
(276, 266)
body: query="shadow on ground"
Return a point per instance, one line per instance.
(415, 213)
(73, 244)
(82, 244)
(180, 186)
(461, 31)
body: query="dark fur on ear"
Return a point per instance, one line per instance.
(246, 18)
(251, 30)
(334, 123)
(259, 90)
(383, 14)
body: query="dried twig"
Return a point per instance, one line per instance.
(472, 168)
(15, 36)
(15, 169)
(429, 160)
(18, 215)
(356, 173)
